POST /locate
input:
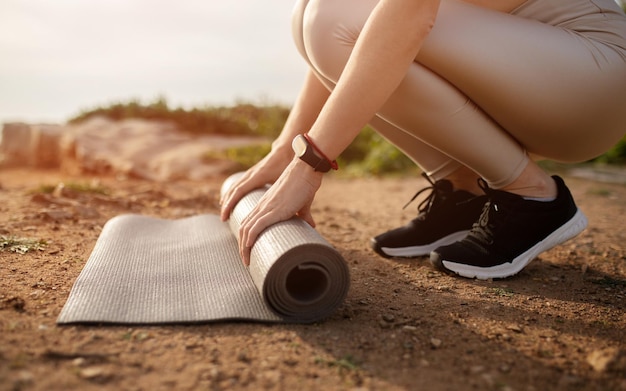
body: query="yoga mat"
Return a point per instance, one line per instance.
(147, 270)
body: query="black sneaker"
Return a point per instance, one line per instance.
(510, 233)
(445, 216)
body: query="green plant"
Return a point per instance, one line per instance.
(345, 363)
(20, 245)
(610, 282)
(615, 155)
(243, 118)
(368, 154)
(245, 156)
(371, 154)
(502, 292)
(73, 186)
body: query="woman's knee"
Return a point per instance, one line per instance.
(329, 32)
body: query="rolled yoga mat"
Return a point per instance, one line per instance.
(146, 270)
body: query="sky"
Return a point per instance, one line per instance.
(60, 57)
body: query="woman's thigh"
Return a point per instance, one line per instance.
(555, 89)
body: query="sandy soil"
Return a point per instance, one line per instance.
(559, 325)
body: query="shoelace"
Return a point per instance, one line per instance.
(427, 203)
(482, 231)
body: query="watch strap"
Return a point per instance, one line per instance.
(330, 163)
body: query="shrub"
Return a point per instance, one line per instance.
(615, 155)
(241, 119)
(245, 156)
(369, 153)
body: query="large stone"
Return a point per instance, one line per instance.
(138, 148)
(45, 145)
(26, 145)
(15, 147)
(145, 149)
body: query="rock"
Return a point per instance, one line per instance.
(131, 148)
(46, 146)
(600, 360)
(96, 374)
(144, 149)
(435, 343)
(270, 378)
(16, 303)
(16, 137)
(244, 358)
(35, 146)
(515, 328)
(79, 362)
(389, 318)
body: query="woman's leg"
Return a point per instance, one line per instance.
(454, 205)
(487, 86)
(434, 163)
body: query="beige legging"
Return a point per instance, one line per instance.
(488, 88)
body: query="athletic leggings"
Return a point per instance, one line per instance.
(489, 88)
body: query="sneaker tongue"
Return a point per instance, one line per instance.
(505, 196)
(444, 186)
(442, 190)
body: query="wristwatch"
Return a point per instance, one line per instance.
(306, 152)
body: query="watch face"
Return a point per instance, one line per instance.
(299, 145)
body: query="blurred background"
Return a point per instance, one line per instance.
(58, 58)
(203, 67)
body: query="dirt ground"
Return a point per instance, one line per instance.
(558, 325)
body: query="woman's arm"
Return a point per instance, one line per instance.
(305, 111)
(388, 44)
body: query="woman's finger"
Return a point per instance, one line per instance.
(252, 228)
(233, 195)
(230, 200)
(292, 194)
(305, 214)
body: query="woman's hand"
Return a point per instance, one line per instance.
(310, 101)
(291, 195)
(266, 171)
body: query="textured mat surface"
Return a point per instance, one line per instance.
(146, 270)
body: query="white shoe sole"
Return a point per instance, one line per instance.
(418, 251)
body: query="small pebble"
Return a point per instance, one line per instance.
(389, 318)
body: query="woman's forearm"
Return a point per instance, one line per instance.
(387, 46)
